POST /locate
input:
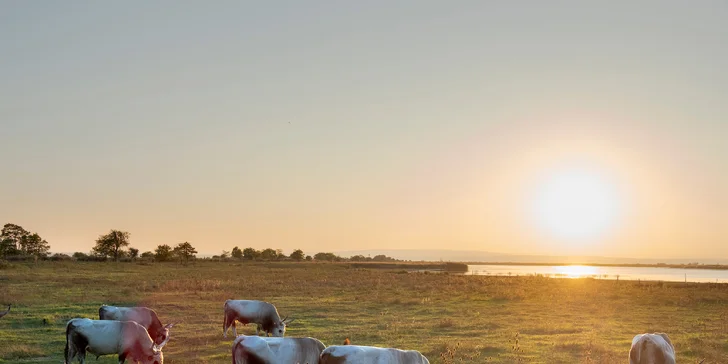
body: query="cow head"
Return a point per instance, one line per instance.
(155, 357)
(162, 336)
(280, 328)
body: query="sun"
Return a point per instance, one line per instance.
(576, 204)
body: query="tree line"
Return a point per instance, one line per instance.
(17, 243)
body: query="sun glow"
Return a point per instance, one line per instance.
(576, 271)
(575, 205)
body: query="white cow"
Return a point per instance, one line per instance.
(262, 313)
(356, 354)
(101, 337)
(652, 349)
(142, 315)
(274, 350)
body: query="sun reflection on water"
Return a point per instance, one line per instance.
(576, 271)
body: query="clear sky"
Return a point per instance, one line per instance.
(342, 125)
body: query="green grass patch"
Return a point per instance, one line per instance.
(450, 318)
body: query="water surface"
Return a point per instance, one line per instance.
(628, 273)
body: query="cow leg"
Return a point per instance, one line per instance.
(122, 358)
(225, 325)
(235, 332)
(82, 355)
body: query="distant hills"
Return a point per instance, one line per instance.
(484, 256)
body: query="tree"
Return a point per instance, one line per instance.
(147, 256)
(163, 253)
(309, 258)
(10, 239)
(112, 244)
(225, 254)
(268, 254)
(133, 253)
(326, 256)
(237, 253)
(34, 245)
(297, 255)
(382, 258)
(185, 251)
(250, 253)
(7, 248)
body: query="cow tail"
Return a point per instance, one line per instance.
(68, 340)
(225, 319)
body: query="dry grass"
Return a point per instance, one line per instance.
(449, 318)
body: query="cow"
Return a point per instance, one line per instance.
(274, 350)
(652, 349)
(141, 315)
(5, 312)
(356, 354)
(104, 337)
(261, 313)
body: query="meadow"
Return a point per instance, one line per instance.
(448, 317)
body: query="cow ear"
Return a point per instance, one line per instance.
(169, 326)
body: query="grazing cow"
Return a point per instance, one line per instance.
(261, 313)
(5, 312)
(142, 315)
(355, 354)
(652, 349)
(102, 337)
(274, 350)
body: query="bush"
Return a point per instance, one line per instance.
(83, 257)
(4, 264)
(60, 257)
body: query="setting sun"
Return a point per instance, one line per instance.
(575, 205)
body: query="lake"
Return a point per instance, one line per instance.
(628, 273)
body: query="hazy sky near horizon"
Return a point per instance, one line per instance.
(329, 126)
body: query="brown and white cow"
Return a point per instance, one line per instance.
(275, 350)
(127, 339)
(356, 354)
(652, 349)
(264, 314)
(141, 315)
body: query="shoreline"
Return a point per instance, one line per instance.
(616, 265)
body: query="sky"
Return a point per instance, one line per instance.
(327, 126)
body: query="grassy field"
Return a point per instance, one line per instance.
(449, 318)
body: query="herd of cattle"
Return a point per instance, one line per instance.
(136, 333)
